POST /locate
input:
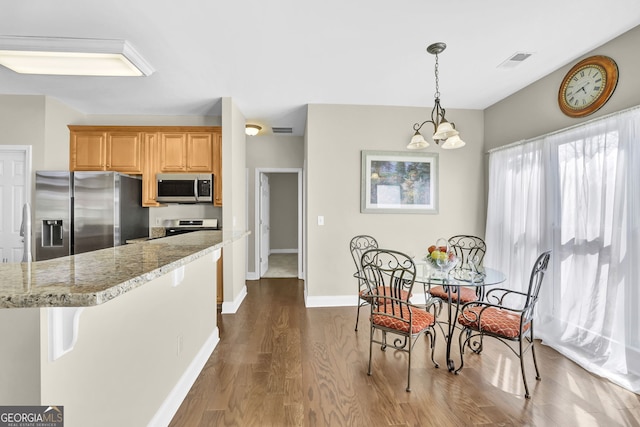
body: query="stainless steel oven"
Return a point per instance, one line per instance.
(173, 227)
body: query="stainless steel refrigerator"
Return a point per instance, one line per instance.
(78, 212)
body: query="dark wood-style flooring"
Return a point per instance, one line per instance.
(280, 364)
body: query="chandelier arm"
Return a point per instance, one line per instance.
(437, 115)
(418, 126)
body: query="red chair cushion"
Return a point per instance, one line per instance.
(383, 291)
(421, 319)
(493, 320)
(466, 294)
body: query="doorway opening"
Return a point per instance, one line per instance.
(278, 222)
(15, 186)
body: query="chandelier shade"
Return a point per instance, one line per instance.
(443, 130)
(453, 142)
(417, 142)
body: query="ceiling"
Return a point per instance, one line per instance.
(275, 57)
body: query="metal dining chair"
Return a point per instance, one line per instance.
(359, 245)
(469, 251)
(390, 275)
(506, 315)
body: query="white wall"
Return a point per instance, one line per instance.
(133, 351)
(234, 204)
(22, 120)
(20, 356)
(335, 136)
(56, 134)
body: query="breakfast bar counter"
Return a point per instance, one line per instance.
(128, 327)
(96, 277)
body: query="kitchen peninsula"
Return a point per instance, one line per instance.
(116, 336)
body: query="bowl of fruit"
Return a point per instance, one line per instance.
(440, 256)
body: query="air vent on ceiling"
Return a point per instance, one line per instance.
(515, 60)
(282, 130)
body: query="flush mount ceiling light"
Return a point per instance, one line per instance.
(442, 129)
(72, 57)
(252, 130)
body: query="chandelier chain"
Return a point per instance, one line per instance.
(437, 94)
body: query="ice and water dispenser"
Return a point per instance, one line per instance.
(52, 233)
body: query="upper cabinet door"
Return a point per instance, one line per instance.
(199, 152)
(124, 152)
(186, 152)
(173, 152)
(88, 151)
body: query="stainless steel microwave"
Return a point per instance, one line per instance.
(184, 188)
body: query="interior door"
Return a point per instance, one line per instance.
(264, 223)
(13, 196)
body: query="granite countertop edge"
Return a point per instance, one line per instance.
(189, 247)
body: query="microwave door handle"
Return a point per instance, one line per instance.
(195, 188)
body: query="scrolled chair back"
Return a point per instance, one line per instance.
(468, 248)
(359, 245)
(389, 271)
(535, 281)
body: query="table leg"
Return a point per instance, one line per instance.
(454, 308)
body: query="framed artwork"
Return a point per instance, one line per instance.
(399, 182)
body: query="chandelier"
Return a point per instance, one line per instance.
(443, 130)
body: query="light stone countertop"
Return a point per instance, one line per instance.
(96, 277)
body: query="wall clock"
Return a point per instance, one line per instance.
(587, 86)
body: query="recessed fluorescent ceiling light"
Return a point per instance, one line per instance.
(72, 57)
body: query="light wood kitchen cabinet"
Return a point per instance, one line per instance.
(147, 151)
(217, 169)
(88, 151)
(99, 150)
(150, 161)
(186, 152)
(124, 152)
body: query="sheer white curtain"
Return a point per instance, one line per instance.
(576, 192)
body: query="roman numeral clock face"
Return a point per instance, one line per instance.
(588, 86)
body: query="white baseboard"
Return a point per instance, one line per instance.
(283, 251)
(232, 307)
(346, 300)
(252, 275)
(332, 301)
(175, 398)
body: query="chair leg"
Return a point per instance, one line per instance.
(524, 375)
(533, 353)
(409, 367)
(370, 348)
(358, 315)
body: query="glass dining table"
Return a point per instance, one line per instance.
(451, 282)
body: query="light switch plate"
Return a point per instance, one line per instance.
(320, 220)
